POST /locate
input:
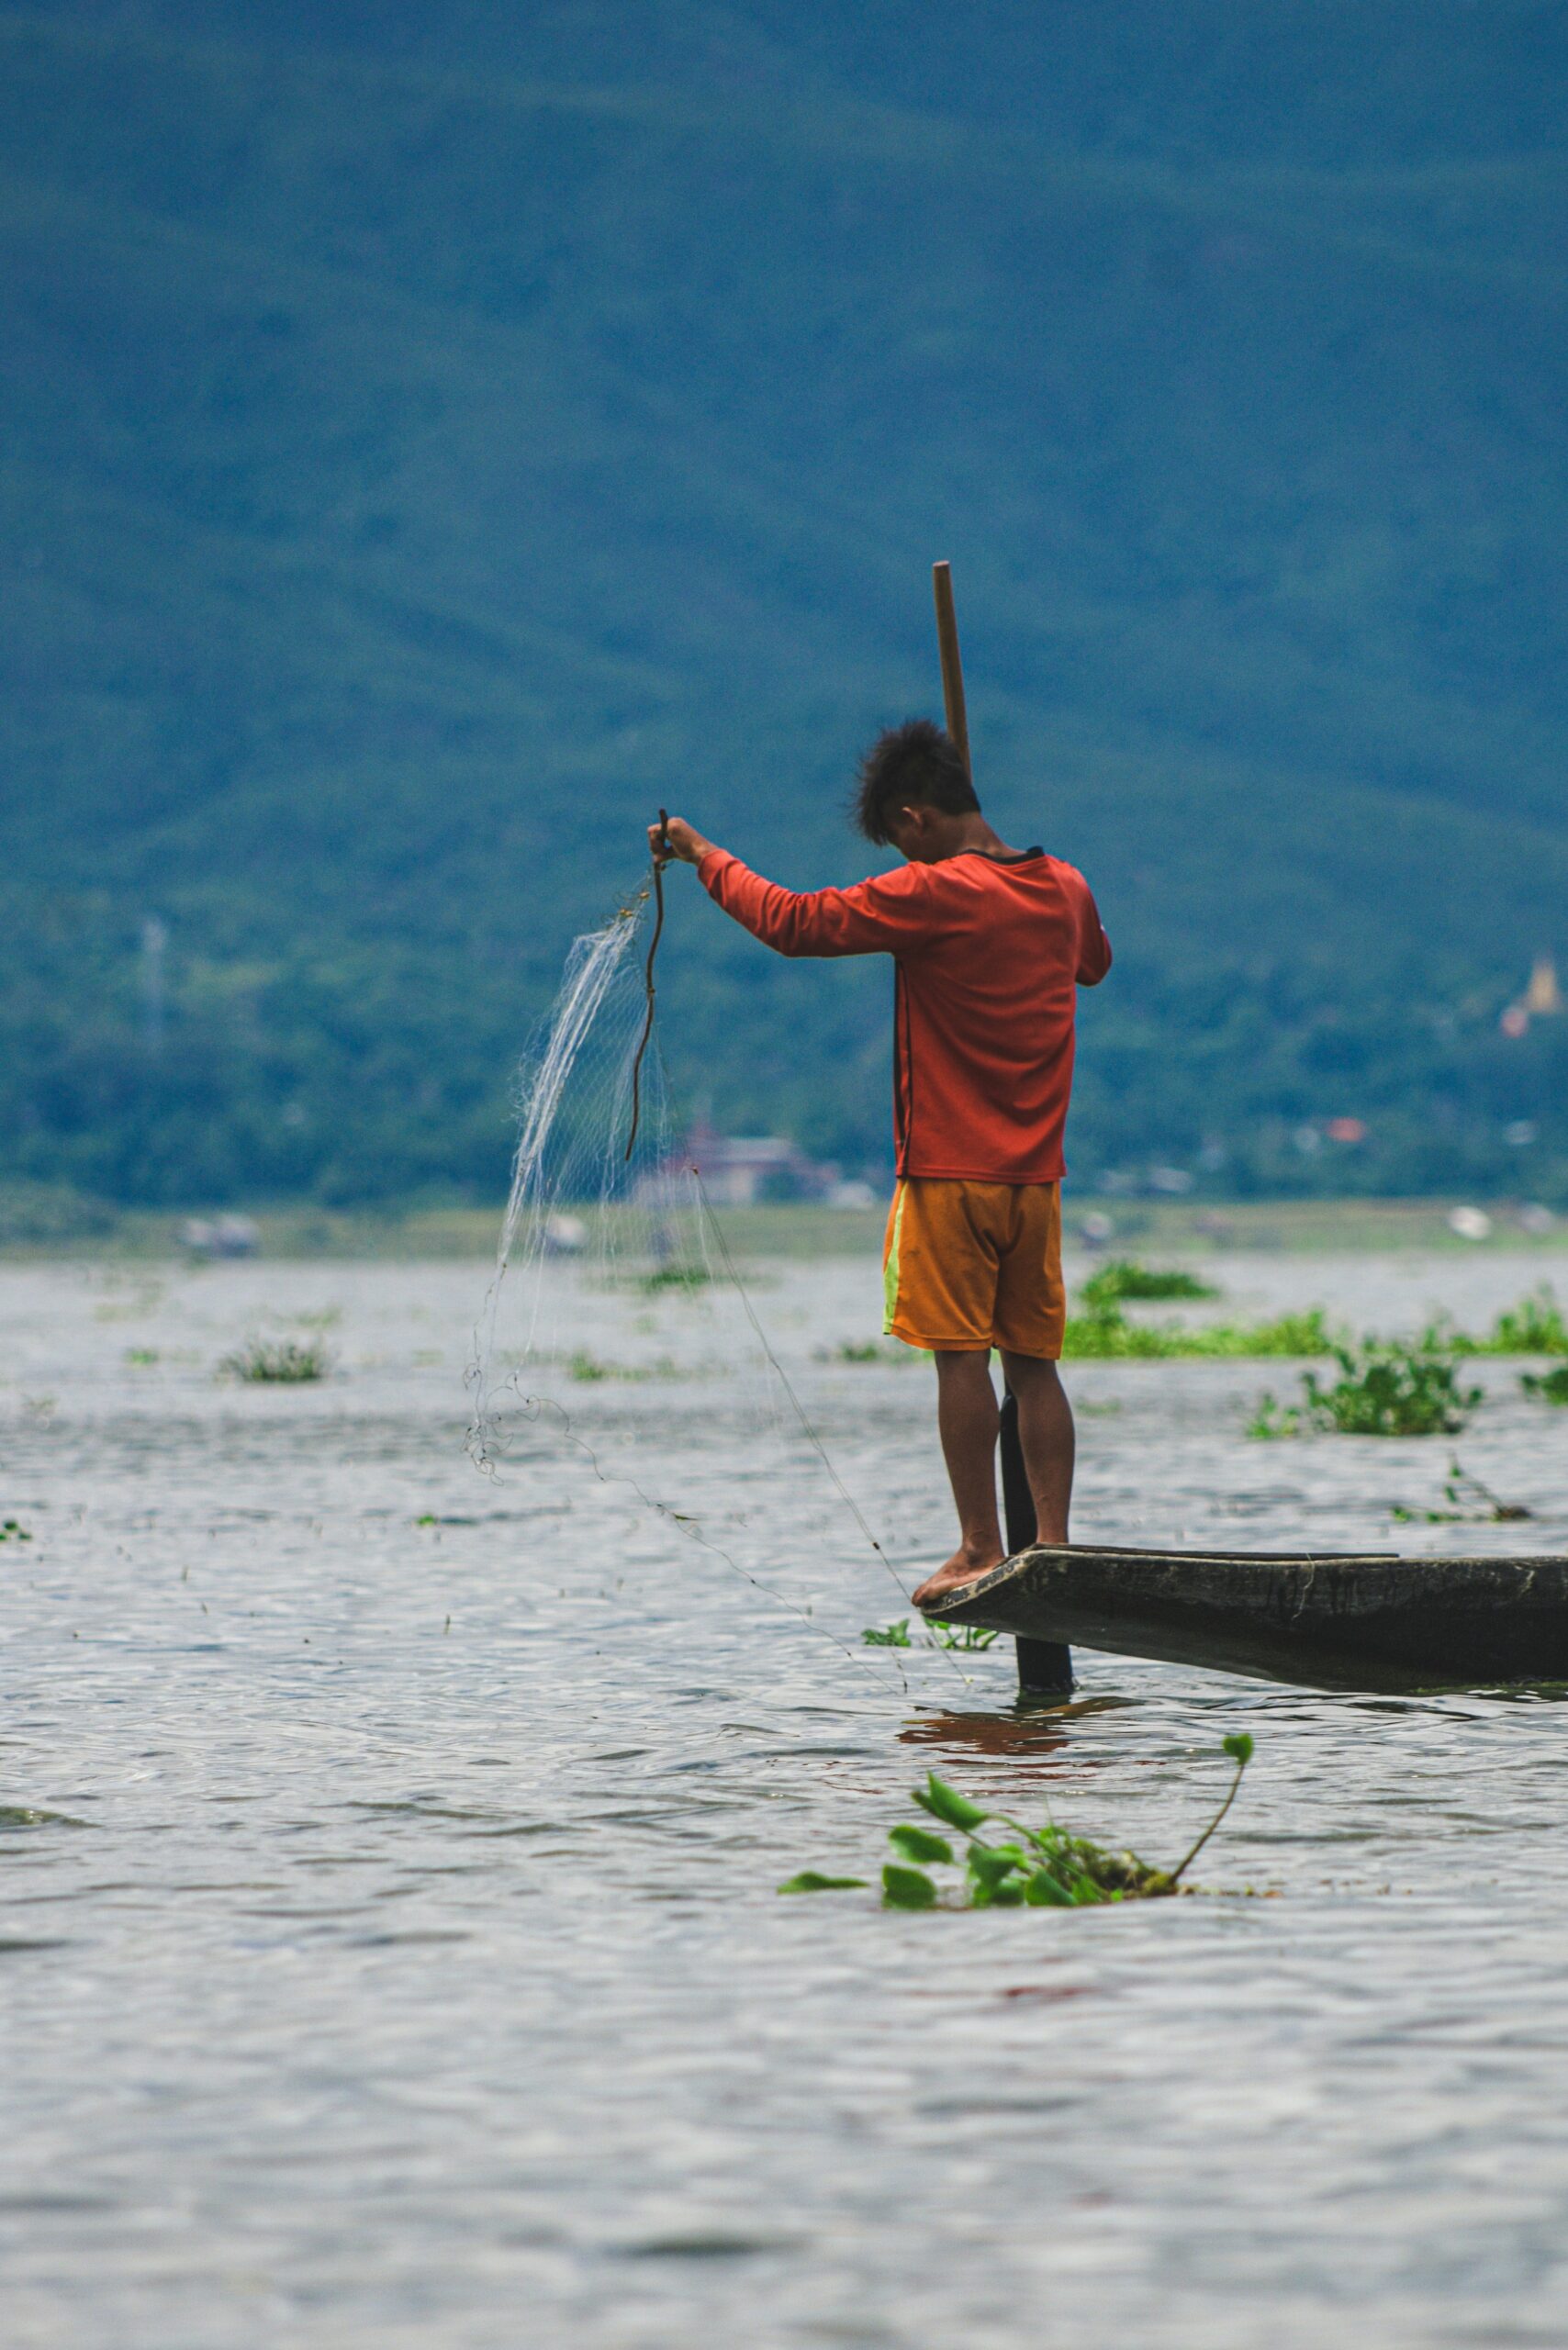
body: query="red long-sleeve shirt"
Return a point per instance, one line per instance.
(988, 954)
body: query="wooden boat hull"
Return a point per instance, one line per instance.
(1336, 1621)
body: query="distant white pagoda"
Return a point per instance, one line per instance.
(1544, 996)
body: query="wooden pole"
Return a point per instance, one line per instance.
(1044, 1667)
(952, 667)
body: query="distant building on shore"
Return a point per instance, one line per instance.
(221, 1235)
(743, 1170)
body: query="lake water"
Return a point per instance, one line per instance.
(389, 1942)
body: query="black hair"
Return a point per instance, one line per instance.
(912, 765)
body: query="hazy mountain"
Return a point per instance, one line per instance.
(431, 438)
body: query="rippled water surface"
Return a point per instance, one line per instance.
(388, 1942)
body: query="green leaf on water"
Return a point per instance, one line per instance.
(989, 1863)
(1238, 1746)
(813, 1881)
(1043, 1891)
(919, 1844)
(1008, 1895)
(907, 1888)
(944, 1802)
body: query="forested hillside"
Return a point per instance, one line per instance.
(430, 439)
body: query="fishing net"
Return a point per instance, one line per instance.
(618, 1339)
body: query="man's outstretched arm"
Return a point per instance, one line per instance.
(1094, 947)
(880, 916)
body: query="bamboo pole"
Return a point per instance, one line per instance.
(1044, 1667)
(952, 667)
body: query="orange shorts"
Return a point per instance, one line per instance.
(968, 1265)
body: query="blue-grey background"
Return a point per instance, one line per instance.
(431, 438)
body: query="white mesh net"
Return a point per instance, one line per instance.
(616, 1332)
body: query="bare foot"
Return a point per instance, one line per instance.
(960, 1569)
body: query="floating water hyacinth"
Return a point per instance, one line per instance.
(1033, 1868)
(1104, 1335)
(1382, 1390)
(1469, 1502)
(1123, 1278)
(1533, 1326)
(974, 1638)
(281, 1361)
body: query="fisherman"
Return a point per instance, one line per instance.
(989, 945)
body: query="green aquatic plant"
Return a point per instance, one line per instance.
(1469, 1503)
(686, 1279)
(1533, 1326)
(590, 1369)
(1392, 1391)
(972, 1638)
(1035, 1868)
(1286, 1334)
(1550, 1386)
(1272, 1419)
(1123, 1278)
(13, 1530)
(1106, 1336)
(281, 1361)
(1384, 1389)
(863, 1351)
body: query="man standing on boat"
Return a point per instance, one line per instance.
(990, 945)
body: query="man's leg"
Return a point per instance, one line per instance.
(1046, 1433)
(967, 1419)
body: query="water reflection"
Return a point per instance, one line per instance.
(1023, 1728)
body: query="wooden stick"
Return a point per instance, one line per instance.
(1044, 1667)
(952, 667)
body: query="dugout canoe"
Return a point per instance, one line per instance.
(1326, 1620)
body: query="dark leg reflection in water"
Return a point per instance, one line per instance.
(1022, 1729)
